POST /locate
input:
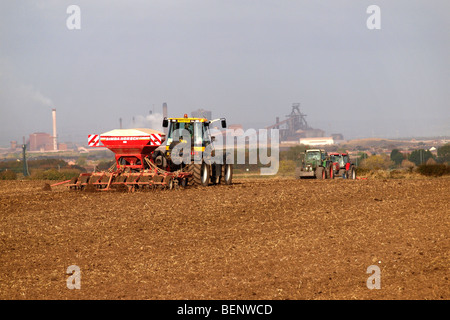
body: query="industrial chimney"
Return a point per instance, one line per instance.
(165, 110)
(55, 141)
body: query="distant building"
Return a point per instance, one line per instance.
(62, 147)
(41, 141)
(309, 133)
(318, 141)
(13, 145)
(201, 113)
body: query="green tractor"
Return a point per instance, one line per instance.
(315, 164)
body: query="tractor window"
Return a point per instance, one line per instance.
(206, 136)
(315, 155)
(188, 127)
(198, 131)
(176, 130)
(201, 133)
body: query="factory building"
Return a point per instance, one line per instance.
(41, 141)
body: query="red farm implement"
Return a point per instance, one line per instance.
(134, 168)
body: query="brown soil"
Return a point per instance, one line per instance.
(256, 239)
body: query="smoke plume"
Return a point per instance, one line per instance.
(152, 121)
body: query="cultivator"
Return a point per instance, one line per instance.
(134, 168)
(125, 178)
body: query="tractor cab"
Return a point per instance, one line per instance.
(316, 156)
(192, 135)
(193, 130)
(339, 160)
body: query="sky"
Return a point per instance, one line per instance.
(247, 61)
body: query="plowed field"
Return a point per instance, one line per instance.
(255, 239)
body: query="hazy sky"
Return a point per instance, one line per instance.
(244, 60)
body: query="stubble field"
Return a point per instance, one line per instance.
(256, 239)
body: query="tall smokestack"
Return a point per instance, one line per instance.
(55, 141)
(120, 123)
(165, 115)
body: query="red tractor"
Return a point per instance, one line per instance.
(341, 166)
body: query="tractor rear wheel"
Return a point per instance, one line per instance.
(194, 179)
(200, 174)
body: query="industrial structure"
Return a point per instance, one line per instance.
(41, 141)
(320, 141)
(295, 126)
(296, 130)
(45, 142)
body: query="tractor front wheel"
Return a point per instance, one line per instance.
(351, 173)
(204, 174)
(320, 173)
(216, 174)
(227, 173)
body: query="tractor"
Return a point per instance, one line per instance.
(314, 165)
(190, 148)
(341, 166)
